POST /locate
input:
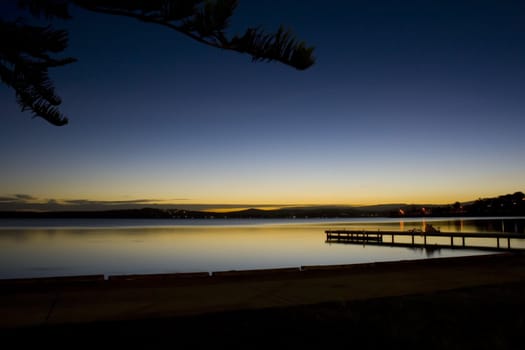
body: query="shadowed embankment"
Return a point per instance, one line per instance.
(472, 302)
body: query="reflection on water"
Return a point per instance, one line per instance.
(474, 225)
(428, 251)
(37, 249)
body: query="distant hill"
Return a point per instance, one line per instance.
(310, 211)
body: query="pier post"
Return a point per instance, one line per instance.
(451, 241)
(425, 239)
(412, 239)
(508, 242)
(463, 240)
(498, 241)
(392, 238)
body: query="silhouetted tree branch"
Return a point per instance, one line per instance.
(25, 56)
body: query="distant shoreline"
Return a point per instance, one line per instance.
(184, 215)
(505, 205)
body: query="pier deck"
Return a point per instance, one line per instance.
(468, 240)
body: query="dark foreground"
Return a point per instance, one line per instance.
(488, 316)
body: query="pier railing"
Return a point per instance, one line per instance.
(423, 239)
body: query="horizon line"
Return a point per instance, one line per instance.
(24, 202)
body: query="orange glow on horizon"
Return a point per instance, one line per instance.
(223, 202)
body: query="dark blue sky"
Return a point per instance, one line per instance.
(409, 101)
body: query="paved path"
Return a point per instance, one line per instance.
(35, 302)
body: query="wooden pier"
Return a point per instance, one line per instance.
(501, 241)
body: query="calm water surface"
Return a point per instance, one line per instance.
(51, 247)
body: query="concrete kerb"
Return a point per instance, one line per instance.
(257, 273)
(159, 277)
(52, 280)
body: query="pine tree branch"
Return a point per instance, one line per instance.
(46, 8)
(24, 64)
(207, 25)
(148, 19)
(25, 52)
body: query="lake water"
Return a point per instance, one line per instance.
(68, 247)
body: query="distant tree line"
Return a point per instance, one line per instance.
(510, 204)
(505, 205)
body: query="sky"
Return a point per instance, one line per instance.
(408, 102)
